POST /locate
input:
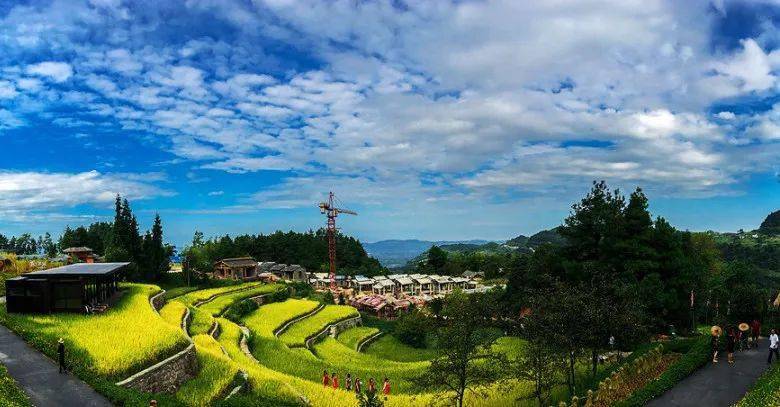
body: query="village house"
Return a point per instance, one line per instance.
(403, 284)
(363, 284)
(241, 268)
(383, 286)
(473, 274)
(422, 284)
(80, 254)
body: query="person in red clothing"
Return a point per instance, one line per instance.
(335, 380)
(755, 329)
(358, 385)
(371, 385)
(386, 388)
(325, 379)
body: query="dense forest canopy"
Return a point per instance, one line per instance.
(309, 249)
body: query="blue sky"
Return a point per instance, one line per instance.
(434, 120)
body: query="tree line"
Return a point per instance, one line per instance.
(309, 250)
(117, 241)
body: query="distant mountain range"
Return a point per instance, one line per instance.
(397, 253)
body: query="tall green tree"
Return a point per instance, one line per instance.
(465, 358)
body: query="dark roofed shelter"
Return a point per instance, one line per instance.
(239, 268)
(67, 288)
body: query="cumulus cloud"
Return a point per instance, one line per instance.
(23, 192)
(500, 97)
(56, 71)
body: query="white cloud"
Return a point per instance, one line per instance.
(751, 68)
(23, 192)
(56, 71)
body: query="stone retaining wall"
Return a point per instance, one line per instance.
(334, 329)
(282, 328)
(158, 301)
(363, 343)
(166, 376)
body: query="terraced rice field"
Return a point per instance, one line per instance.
(298, 332)
(217, 373)
(265, 320)
(353, 336)
(390, 348)
(281, 371)
(127, 338)
(221, 303)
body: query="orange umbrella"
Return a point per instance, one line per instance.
(716, 330)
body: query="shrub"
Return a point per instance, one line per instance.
(696, 357)
(241, 309)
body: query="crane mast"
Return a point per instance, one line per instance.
(331, 212)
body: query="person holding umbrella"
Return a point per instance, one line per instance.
(743, 333)
(715, 342)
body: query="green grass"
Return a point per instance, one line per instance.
(389, 347)
(178, 292)
(217, 306)
(765, 391)
(353, 336)
(298, 332)
(266, 319)
(12, 395)
(217, 373)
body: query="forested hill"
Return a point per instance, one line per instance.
(760, 247)
(308, 249)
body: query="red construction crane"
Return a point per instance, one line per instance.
(331, 212)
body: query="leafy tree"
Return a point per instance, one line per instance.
(412, 329)
(539, 364)
(437, 260)
(327, 298)
(465, 358)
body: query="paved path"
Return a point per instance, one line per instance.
(39, 377)
(718, 384)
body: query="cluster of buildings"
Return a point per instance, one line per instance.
(247, 268)
(399, 285)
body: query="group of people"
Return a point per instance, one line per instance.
(332, 380)
(742, 337)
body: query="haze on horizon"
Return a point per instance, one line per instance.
(434, 120)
